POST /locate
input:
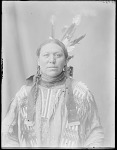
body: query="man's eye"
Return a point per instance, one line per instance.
(58, 55)
(46, 55)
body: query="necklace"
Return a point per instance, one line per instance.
(52, 81)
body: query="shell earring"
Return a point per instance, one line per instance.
(68, 71)
(65, 68)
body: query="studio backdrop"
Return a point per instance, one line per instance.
(25, 25)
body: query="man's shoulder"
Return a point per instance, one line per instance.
(79, 85)
(29, 80)
(80, 90)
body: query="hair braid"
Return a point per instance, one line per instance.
(33, 95)
(37, 77)
(36, 82)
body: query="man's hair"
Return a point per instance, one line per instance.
(56, 41)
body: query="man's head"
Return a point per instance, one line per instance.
(52, 57)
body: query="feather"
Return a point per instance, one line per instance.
(76, 19)
(52, 20)
(77, 40)
(65, 42)
(70, 48)
(68, 32)
(71, 29)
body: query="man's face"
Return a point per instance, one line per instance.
(51, 60)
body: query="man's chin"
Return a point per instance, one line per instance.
(53, 74)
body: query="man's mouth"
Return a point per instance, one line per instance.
(52, 67)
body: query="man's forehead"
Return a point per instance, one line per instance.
(50, 47)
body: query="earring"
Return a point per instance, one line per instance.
(71, 71)
(68, 71)
(65, 68)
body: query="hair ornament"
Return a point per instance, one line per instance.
(68, 33)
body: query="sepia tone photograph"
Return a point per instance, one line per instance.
(58, 80)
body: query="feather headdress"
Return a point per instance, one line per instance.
(68, 33)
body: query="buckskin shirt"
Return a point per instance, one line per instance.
(57, 122)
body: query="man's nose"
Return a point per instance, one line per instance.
(52, 59)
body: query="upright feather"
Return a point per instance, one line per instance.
(70, 31)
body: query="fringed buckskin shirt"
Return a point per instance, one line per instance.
(59, 126)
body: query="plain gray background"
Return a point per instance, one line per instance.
(25, 25)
